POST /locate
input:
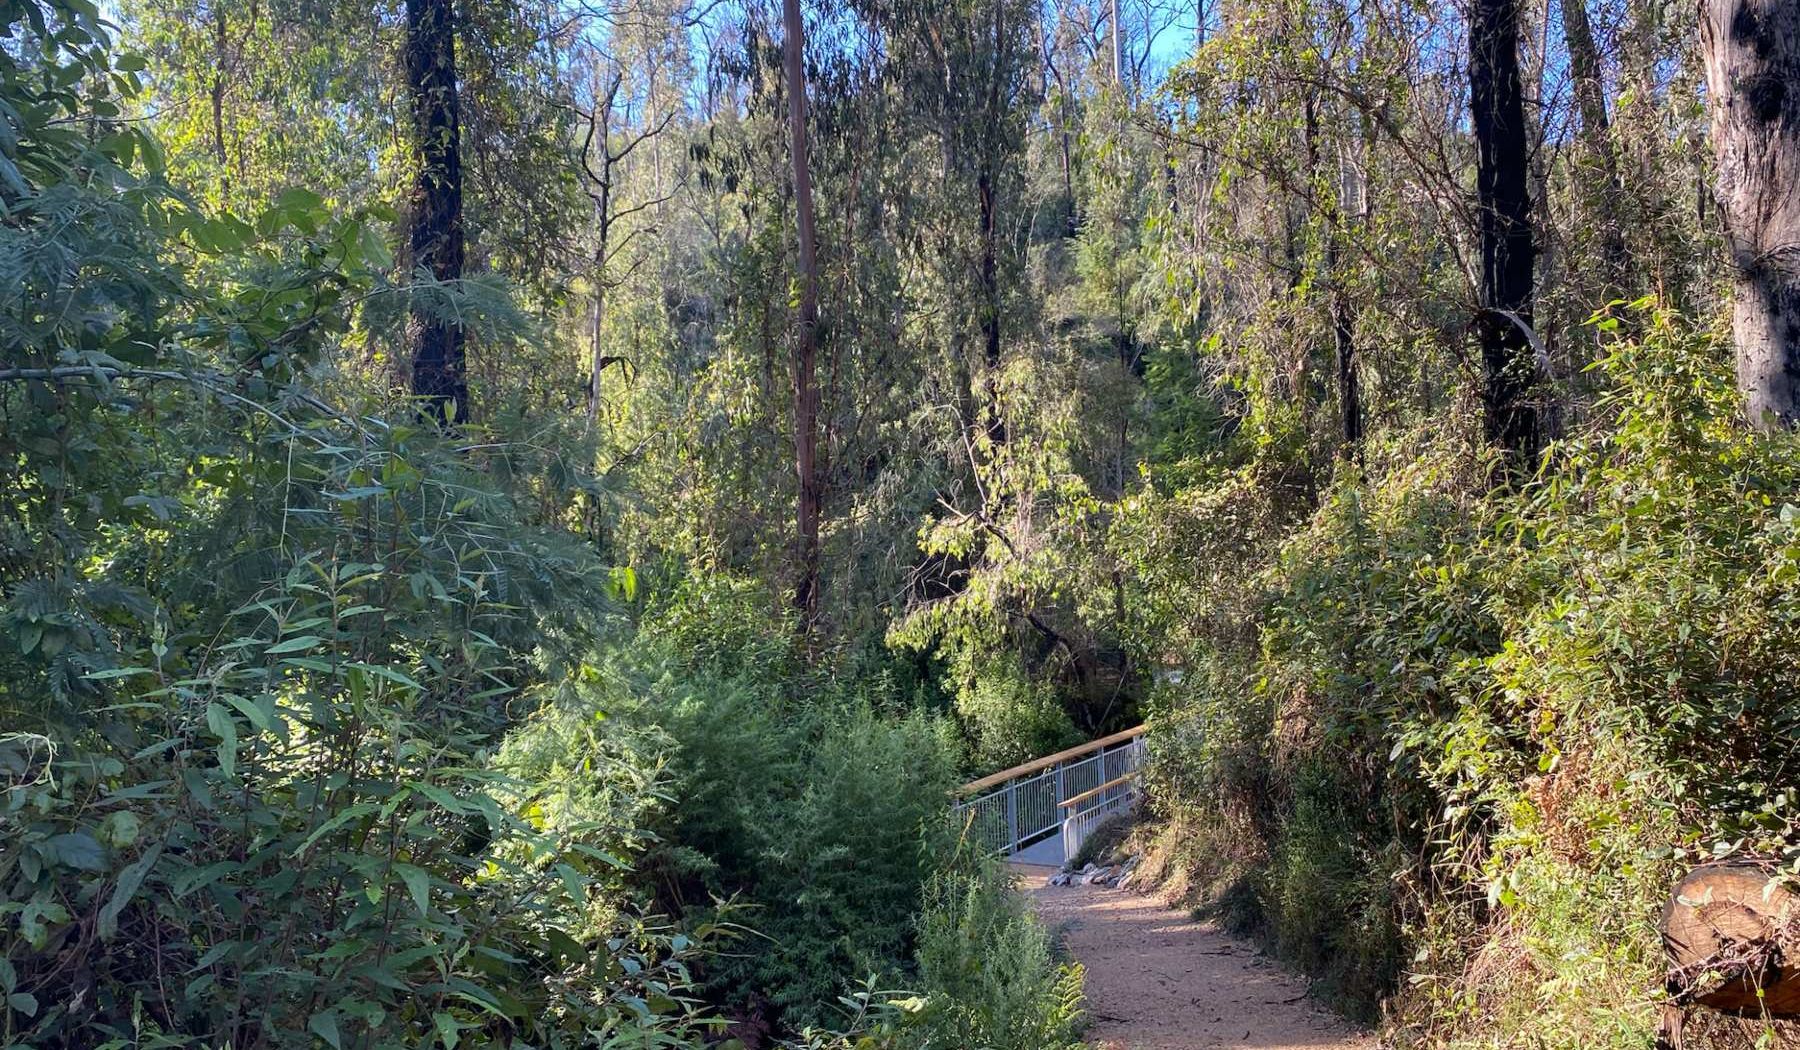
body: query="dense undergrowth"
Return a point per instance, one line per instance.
(322, 725)
(327, 721)
(1464, 738)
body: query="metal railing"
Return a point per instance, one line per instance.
(1068, 792)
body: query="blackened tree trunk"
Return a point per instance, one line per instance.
(806, 390)
(1752, 54)
(222, 56)
(435, 340)
(989, 281)
(1508, 251)
(987, 189)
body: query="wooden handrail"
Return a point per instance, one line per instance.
(1091, 792)
(1047, 761)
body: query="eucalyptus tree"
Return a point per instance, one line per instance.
(1588, 83)
(966, 71)
(1508, 247)
(435, 338)
(1752, 52)
(806, 321)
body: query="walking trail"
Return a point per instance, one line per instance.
(1159, 980)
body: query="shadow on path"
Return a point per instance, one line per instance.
(1159, 980)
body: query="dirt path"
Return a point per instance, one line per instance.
(1158, 980)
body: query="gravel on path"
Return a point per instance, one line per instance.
(1159, 980)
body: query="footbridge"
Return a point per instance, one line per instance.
(1041, 812)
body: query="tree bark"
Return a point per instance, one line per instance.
(435, 342)
(987, 190)
(1118, 46)
(600, 130)
(806, 392)
(221, 56)
(1508, 249)
(1751, 50)
(1596, 132)
(989, 279)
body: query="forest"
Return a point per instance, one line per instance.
(519, 517)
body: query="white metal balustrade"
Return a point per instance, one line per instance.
(1069, 793)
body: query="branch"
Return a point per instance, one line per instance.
(217, 383)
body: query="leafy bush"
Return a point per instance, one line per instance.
(813, 820)
(987, 973)
(1479, 724)
(1008, 716)
(260, 650)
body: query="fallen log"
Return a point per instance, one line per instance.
(1731, 937)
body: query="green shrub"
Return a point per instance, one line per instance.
(987, 973)
(1480, 729)
(1008, 716)
(257, 652)
(811, 819)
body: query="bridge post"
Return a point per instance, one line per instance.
(1012, 819)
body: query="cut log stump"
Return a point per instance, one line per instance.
(1731, 934)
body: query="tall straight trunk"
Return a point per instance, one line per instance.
(1596, 134)
(598, 359)
(602, 133)
(989, 279)
(987, 190)
(221, 58)
(435, 342)
(1118, 46)
(1752, 53)
(1343, 315)
(806, 391)
(1508, 250)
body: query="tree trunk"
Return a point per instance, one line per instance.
(1728, 943)
(987, 190)
(1596, 131)
(221, 56)
(1752, 53)
(435, 342)
(989, 277)
(1118, 46)
(1508, 251)
(602, 132)
(806, 392)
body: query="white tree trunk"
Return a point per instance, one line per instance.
(1752, 54)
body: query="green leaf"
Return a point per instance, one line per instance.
(122, 827)
(23, 1002)
(361, 809)
(257, 716)
(324, 1025)
(129, 881)
(299, 199)
(219, 721)
(78, 850)
(194, 879)
(418, 883)
(391, 674)
(298, 643)
(446, 1029)
(117, 672)
(442, 798)
(573, 883)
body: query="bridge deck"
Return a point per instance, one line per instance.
(1046, 852)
